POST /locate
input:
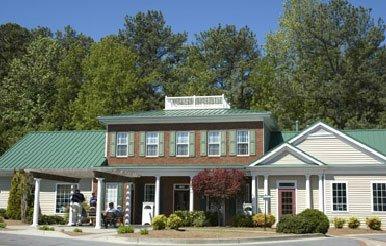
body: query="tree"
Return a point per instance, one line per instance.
(219, 185)
(328, 60)
(20, 196)
(158, 50)
(112, 86)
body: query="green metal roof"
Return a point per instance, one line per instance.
(190, 116)
(374, 138)
(56, 149)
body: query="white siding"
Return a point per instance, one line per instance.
(5, 185)
(359, 197)
(332, 150)
(286, 158)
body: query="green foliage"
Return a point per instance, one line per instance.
(339, 222)
(78, 230)
(308, 221)
(242, 220)
(194, 218)
(144, 231)
(1, 219)
(51, 220)
(3, 225)
(259, 220)
(3, 213)
(211, 218)
(174, 222)
(159, 222)
(46, 228)
(125, 229)
(20, 189)
(353, 222)
(374, 223)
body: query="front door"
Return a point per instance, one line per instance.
(181, 197)
(286, 202)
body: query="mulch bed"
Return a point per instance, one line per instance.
(348, 231)
(13, 222)
(74, 234)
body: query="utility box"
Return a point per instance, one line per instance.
(147, 212)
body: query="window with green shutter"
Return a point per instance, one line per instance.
(232, 143)
(191, 144)
(142, 143)
(203, 143)
(131, 144)
(161, 144)
(252, 142)
(172, 143)
(112, 137)
(223, 143)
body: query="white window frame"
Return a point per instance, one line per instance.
(332, 197)
(116, 197)
(187, 144)
(237, 142)
(147, 144)
(144, 191)
(56, 193)
(372, 195)
(219, 144)
(118, 144)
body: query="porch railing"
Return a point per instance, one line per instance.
(196, 102)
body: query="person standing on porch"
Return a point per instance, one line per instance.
(93, 200)
(77, 199)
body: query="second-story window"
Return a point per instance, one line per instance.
(122, 144)
(214, 139)
(242, 142)
(152, 142)
(182, 143)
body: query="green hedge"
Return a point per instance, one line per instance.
(308, 221)
(51, 220)
(242, 220)
(159, 222)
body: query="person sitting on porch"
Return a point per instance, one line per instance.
(93, 200)
(77, 198)
(110, 218)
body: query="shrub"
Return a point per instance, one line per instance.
(242, 220)
(159, 222)
(374, 223)
(1, 219)
(125, 229)
(144, 231)
(77, 230)
(211, 218)
(46, 228)
(353, 222)
(259, 219)
(51, 220)
(174, 222)
(338, 222)
(3, 213)
(30, 214)
(199, 219)
(308, 221)
(317, 221)
(3, 225)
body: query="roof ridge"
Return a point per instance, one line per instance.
(64, 131)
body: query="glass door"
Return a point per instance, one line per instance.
(286, 202)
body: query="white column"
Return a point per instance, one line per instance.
(35, 219)
(71, 219)
(254, 194)
(98, 216)
(321, 190)
(128, 204)
(191, 196)
(266, 192)
(157, 195)
(308, 194)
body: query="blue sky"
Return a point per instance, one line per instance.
(98, 18)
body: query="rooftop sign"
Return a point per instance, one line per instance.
(196, 102)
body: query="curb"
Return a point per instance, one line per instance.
(220, 241)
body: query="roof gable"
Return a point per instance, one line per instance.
(286, 154)
(335, 147)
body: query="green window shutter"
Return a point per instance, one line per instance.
(232, 143)
(191, 144)
(172, 143)
(252, 142)
(130, 149)
(142, 143)
(161, 143)
(112, 141)
(203, 143)
(223, 143)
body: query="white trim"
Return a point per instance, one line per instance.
(127, 145)
(277, 195)
(372, 196)
(56, 193)
(144, 191)
(338, 133)
(174, 189)
(237, 142)
(219, 143)
(332, 197)
(176, 142)
(292, 149)
(146, 144)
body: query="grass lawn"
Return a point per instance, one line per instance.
(207, 232)
(347, 231)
